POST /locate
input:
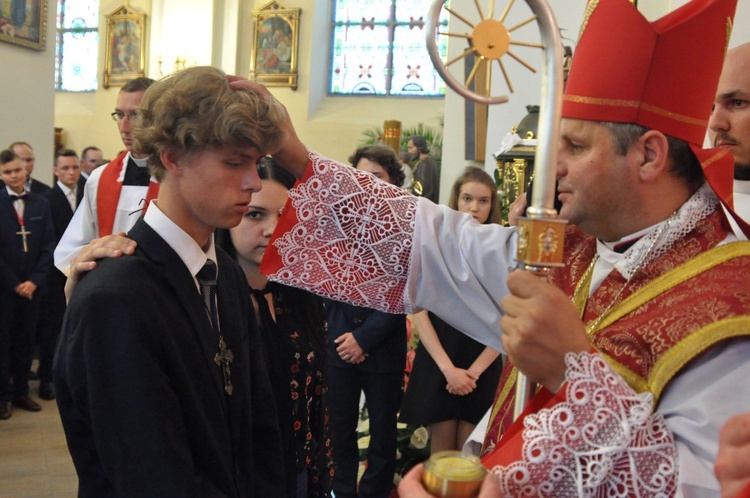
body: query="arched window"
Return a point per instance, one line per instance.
(77, 46)
(378, 48)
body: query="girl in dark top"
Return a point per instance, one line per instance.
(292, 322)
(453, 381)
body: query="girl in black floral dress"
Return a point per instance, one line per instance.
(292, 323)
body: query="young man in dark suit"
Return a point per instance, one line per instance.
(26, 245)
(63, 198)
(159, 393)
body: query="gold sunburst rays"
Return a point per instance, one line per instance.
(490, 40)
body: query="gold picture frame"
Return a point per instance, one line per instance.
(24, 23)
(125, 51)
(275, 45)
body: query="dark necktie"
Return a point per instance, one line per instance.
(207, 280)
(14, 198)
(266, 319)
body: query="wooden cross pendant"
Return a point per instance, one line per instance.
(23, 233)
(222, 359)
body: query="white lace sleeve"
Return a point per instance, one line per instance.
(352, 237)
(603, 440)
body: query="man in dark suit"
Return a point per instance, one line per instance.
(26, 153)
(378, 371)
(63, 198)
(26, 245)
(159, 393)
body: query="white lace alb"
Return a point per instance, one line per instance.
(352, 240)
(604, 440)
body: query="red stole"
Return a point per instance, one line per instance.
(108, 194)
(640, 345)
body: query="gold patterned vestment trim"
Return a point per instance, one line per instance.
(681, 353)
(698, 341)
(581, 294)
(703, 262)
(635, 381)
(512, 377)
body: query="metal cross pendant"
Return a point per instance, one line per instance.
(223, 358)
(23, 233)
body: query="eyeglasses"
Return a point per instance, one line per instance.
(119, 116)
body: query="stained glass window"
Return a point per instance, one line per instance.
(378, 48)
(77, 45)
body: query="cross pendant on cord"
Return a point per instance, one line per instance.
(223, 358)
(23, 233)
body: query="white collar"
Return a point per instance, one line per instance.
(10, 192)
(655, 240)
(65, 188)
(183, 244)
(141, 162)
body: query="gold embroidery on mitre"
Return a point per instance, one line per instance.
(593, 4)
(580, 99)
(717, 156)
(703, 262)
(673, 115)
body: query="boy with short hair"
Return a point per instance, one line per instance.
(159, 376)
(26, 245)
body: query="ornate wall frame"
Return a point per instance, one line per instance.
(275, 45)
(125, 52)
(25, 24)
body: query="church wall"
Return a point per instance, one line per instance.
(26, 100)
(85, 116)
(222, 33)
(332, 125)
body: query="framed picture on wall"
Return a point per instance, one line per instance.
(275, 43)
(24, 22)
(125, 53)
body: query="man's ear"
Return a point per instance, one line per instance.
(655, 150)
(171, 161)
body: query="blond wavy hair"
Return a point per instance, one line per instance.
(196, 110)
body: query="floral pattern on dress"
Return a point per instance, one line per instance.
(307, 390)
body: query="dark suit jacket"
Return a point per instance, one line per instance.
(61, 216)
(141, 400)
(381, 335)
(426, 172)
(17, 266)
(38, 187)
